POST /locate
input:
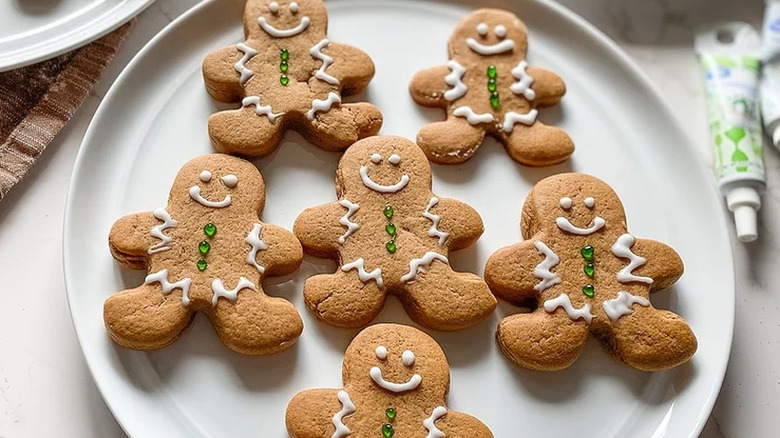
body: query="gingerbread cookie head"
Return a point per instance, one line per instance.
(580, 205)
(267, 21)
(381, 166)
(399, 362)
(489, 34)
(212, 182)
(206, 251)
(585, 273)
(488, 87)
(396, 379)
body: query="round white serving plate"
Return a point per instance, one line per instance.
(154, 119)
(35, 30)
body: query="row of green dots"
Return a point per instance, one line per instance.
(491, 85)
(284, 55)
(387, 429)
(587, 252)
(204, 246)
(390, 229)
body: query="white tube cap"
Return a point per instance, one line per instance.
(746, 222)
(776, 137)
(745, 202)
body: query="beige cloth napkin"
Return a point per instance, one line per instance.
(38, 100)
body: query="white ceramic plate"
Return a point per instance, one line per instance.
(154, 119)
(34, 30)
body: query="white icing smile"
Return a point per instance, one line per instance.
(564, 224)
(411, 384)
(493, 49)
(381, 188)
(283, 33)
(195, 195)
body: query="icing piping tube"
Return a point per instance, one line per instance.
(770, 71)
(729, 56)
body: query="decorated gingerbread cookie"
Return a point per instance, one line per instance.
(207, 251)
(396, 379)
(392, 235)
(586, 274)
(288, 75)
(487, 87)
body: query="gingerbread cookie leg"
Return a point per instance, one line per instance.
(276, 323)
(252, 130)
(452, 141)
(349, 298)
(458, 299)
(146, 318)
(336, 128)
(542, 341)
(649, 339)
(538, 144)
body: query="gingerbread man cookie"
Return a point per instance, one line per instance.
(207, 251)
(586, 274)
(488, 87)
(392, 235)
(396, 379)
(288, 75)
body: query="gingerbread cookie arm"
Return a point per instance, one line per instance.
(460, 425)
(312, 413)
(274, 249)
(223, 81)
(548, 86)
(350, 65)
(428, 86)
(663, 264)
(459, 220)
(509, 272)
(131, 241)
(321, 228)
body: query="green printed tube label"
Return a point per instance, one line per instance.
(735, 125)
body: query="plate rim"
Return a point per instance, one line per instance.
(621, 57)
(85, 35)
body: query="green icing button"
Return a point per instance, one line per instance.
(390, 228)
(589, 269)
(202, 265)
(204, 247)
(390, 414)
(491, 71)
(388, 212)
(210, 229)
(589, 290)
(387, 430)
(587, 252)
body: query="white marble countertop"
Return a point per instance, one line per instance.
(46, 389)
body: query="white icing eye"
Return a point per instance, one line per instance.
(376, 158)
(394, 159)
(230, 180)
(274, 7)
(205, 176)
(294, 7)
(590, 202)
(407, 358)
(565, 203)
(381, 352)
(500, 30)
(482, 29)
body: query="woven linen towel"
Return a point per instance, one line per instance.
(38, 100)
